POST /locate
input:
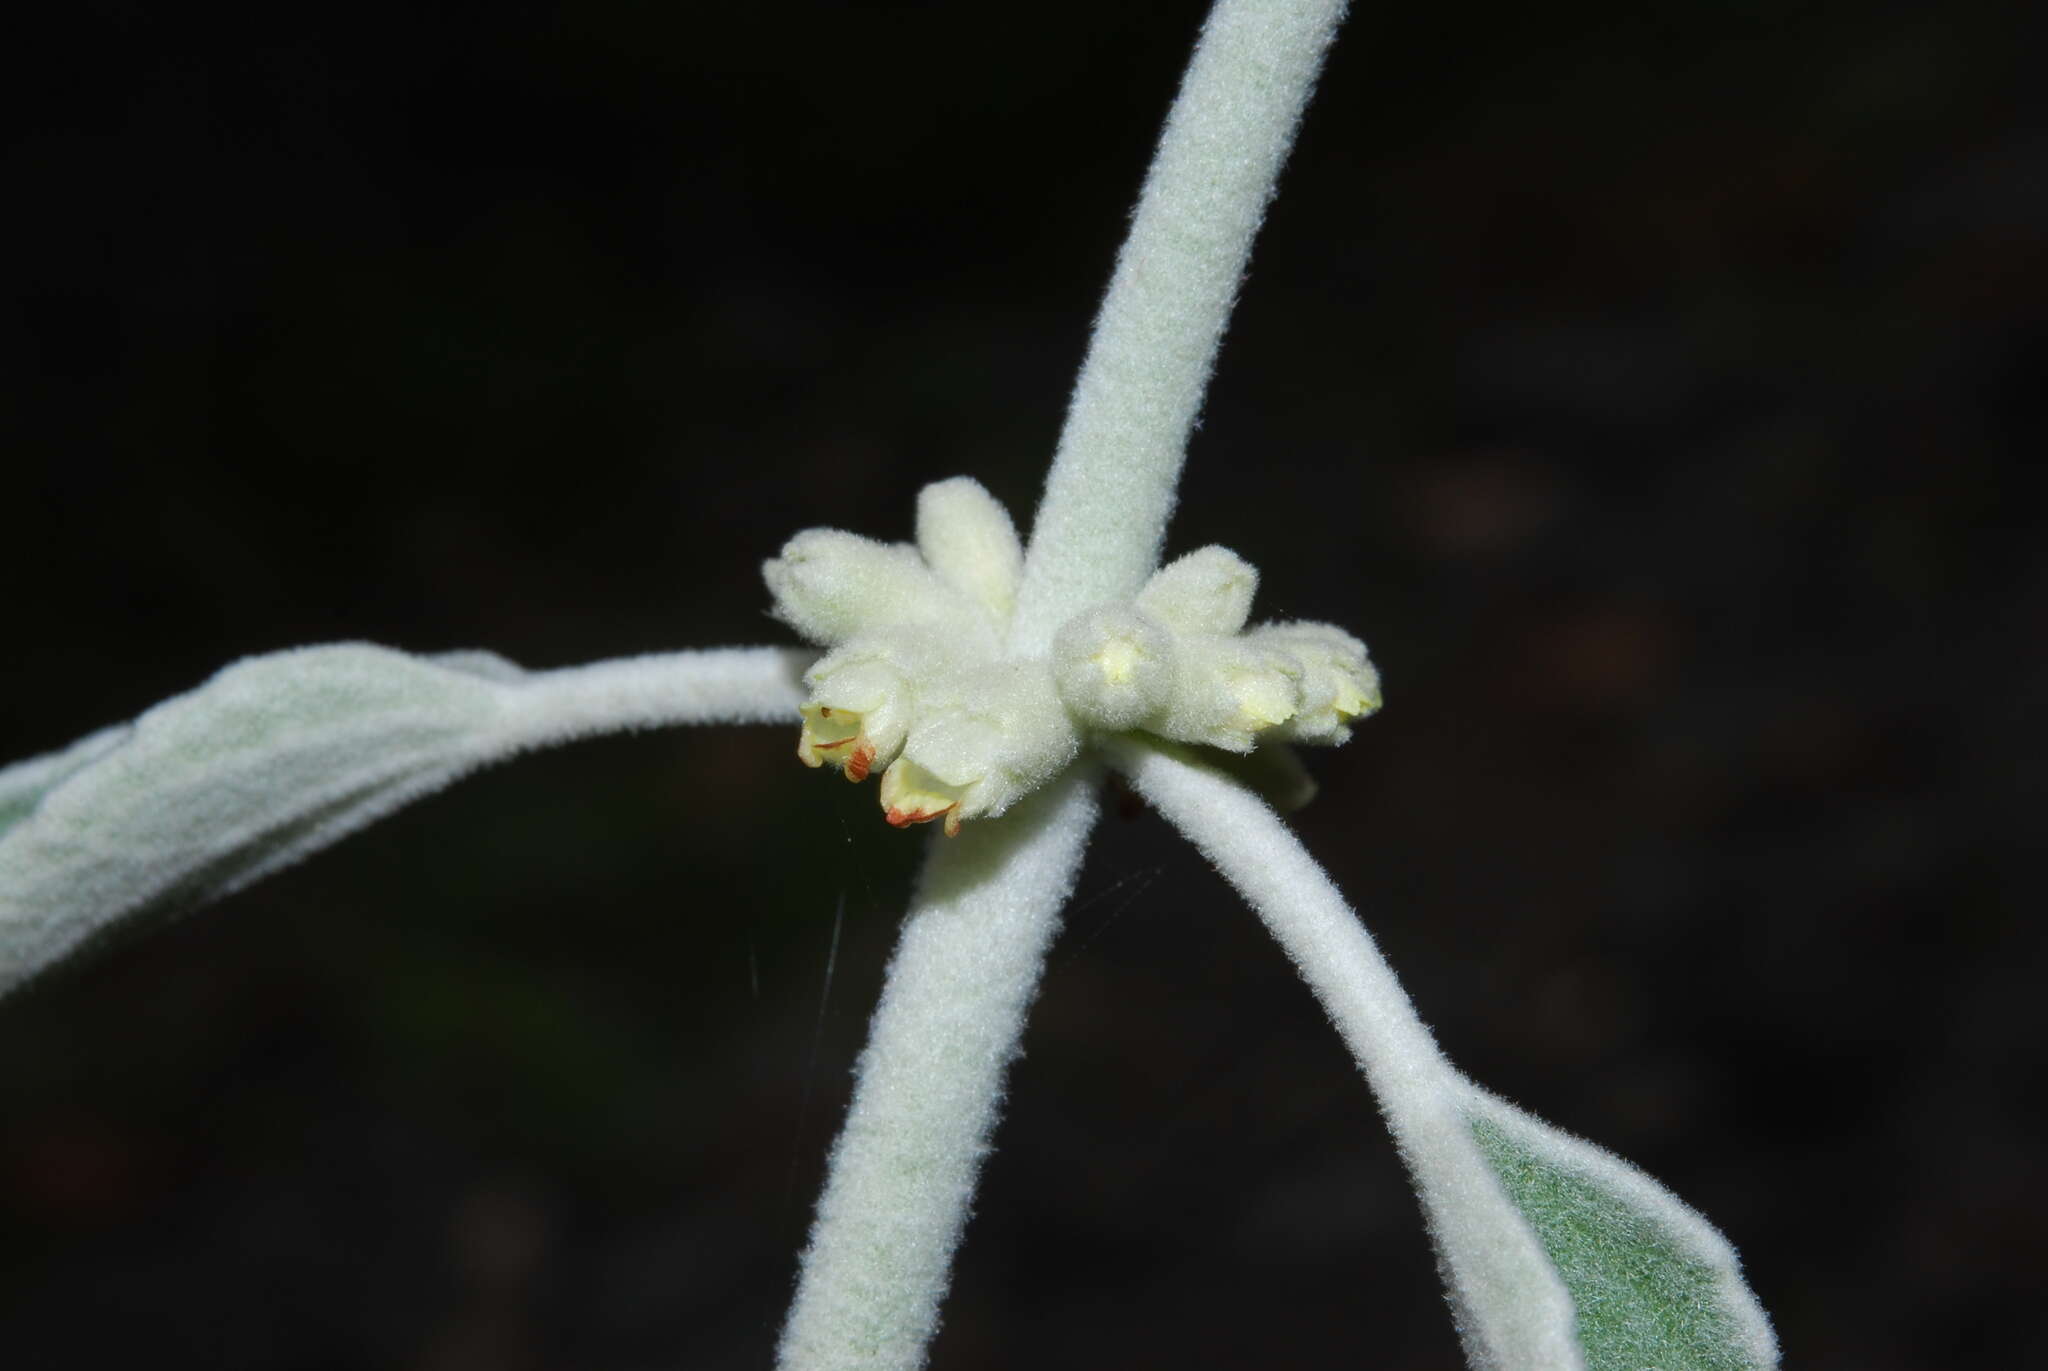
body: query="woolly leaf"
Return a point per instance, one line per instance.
(281, 755)
(1651, 1283)
(25, 783)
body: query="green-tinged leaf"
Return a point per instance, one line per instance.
(1557, 1256)
(1653, 1286)
(278, 756)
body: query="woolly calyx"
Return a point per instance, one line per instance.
(919, 688)
(1113, 666)
(1338, 683)
(1173, 663)
(1229, 691)
(984, 738)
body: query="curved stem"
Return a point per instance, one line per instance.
(1259, 855)
(735, 685)
(1514, 1310)
(929, 1083)
(1103, 518)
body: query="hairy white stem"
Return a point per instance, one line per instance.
(1103, 518)
(904, 1168)
(930, 1081)
(1260, 856)
(733, 685)
(1515, 1310)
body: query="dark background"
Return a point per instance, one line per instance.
(1657, 388)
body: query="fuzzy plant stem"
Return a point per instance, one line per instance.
(1102, 520)
(1514, 1313)
(1260, 856)
(741, 685)
(903, 1171)
(929, 1084)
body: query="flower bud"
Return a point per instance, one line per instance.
(829, 586)
(919, 685)
(1228, 690)
(1113, 667)
(1208, 591)
(968, 540)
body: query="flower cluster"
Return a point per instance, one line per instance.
(919, 681)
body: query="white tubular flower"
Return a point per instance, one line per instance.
(920, 688)
(1229, 691)
(977, 757)
(1338, 682)
(857, 716)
